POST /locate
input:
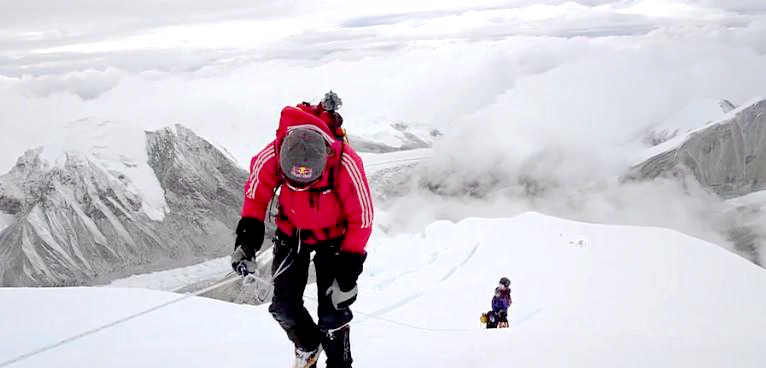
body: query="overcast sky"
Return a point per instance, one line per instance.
(225, 68)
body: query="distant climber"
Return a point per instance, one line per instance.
(501, 301)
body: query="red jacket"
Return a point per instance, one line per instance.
(338, 205)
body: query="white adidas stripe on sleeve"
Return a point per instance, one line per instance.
(363, 193)
(263, 157)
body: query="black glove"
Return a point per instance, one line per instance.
(249, 239)
(242, 264)
(348, 267)
(249, 235)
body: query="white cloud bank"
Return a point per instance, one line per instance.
(558, 140)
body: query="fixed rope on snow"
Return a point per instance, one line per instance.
(229, 278)
(368, 315)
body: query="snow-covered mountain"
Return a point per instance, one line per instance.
(689, 118)
(382, 138)
(727, 156)
(109, 199)
(584, 295)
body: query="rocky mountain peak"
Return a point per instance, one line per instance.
(109, 199)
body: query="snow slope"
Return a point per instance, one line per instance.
(687, 130)
(118, 148)
(692, 116)
(584, 295)
(726, 157)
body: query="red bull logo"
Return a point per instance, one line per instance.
(302, 172)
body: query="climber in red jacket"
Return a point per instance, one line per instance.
(324, 207)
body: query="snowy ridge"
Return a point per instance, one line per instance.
(584, 295)
(690, 117)
(688, 131)
(726, 156)
(391, 137)
(119, 149)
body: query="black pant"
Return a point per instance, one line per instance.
(291, 265)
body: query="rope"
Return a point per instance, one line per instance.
(368, 315)
(282, 268)
(226, 280)
(411, 326)
(229, 278)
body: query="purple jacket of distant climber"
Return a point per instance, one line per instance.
(501, 300)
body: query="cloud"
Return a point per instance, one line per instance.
(683, 206)
(235, 103)
(741, 6)
(424, 72)
(751, 36)
(85, 36)
(557, 141)
(88, 84)
(79, 17)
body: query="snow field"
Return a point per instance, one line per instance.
(584, 295)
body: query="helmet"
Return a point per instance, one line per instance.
(331, 101)
(302, 156)
(505, 282)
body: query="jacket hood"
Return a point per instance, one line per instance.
(293, 118)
